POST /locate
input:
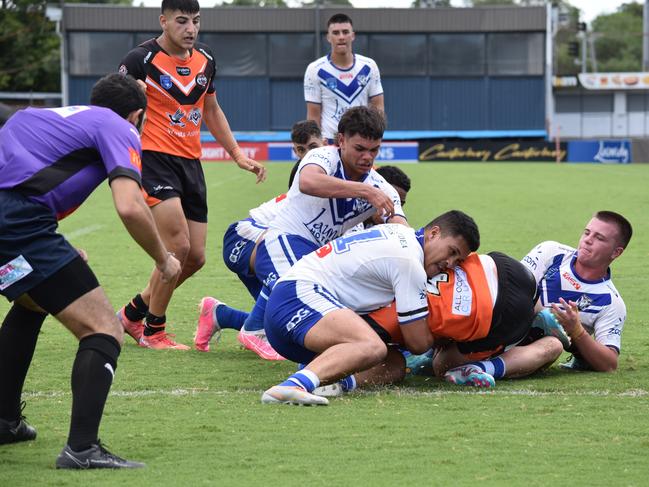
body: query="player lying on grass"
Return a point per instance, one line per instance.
(580, 310)
(575, 284)
(313, 315)
(240, 244)
(335, 189)
(51, 160)
(476, 309)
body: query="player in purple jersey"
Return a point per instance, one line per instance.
(50, 161)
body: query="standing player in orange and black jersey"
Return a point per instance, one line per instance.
(178, 73)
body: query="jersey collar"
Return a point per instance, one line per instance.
(596, 281)
(420, 236)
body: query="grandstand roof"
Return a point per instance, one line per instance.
(252, 19)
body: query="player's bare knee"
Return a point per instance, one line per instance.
(180, 247)
(194, 263)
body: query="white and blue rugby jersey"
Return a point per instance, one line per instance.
(368, 270)
(339, 89)
(601, 309)
(321, 220)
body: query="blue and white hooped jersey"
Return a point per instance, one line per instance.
(601, 309)
(367, 270)
(339, 89)
(321, 220)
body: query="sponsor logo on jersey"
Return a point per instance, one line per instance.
(165, 81)
(332, 83)
(183, 70)
(280, 197)
(530, 262)
(362, 79)
(297, 317)
(194, 116)
(177, 117)
(135, 158)
(462, 294)
(584, 302)
(123, 70)
(346, 76)
(571, 280)
(201, 79)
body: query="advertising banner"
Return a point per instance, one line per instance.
(214, 152)
(603, 151)
(389, 152)
(490, 150)
(614, 81)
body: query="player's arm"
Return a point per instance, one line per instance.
(417, 336)
(378, 102)
(314, 112)
(139, 222)
(315, 181)
(312, 95)
(601, 358)
(219, 127)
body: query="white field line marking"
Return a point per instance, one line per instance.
(396, 392)
(83, 231)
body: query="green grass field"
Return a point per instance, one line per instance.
(196, 419)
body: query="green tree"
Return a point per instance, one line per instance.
(619, 39)
(29, 48)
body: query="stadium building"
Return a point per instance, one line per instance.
(448, 74)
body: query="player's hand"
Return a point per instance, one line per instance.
(381, 201)
(253, 166)
(567, 314)
(83, 254)
(170, 268)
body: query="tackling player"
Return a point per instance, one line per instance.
(178, 73)
(50, 161)
(340, 80)
(313, 312)
(335, 189)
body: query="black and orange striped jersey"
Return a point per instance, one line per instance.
(176, 90)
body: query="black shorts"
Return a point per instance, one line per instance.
(514, 309)
(30, 249)
(165, 176)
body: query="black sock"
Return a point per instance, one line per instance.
(154, 324)
(92, 376)
(136, 310)
(18, 336)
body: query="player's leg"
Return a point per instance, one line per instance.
(309, 326)
(174, 232)
(18, 337)
(276, 254)
(74, 297)
(391, 371)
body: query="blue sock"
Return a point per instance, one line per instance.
(255, 320)
(348, 383)
(305, 379)
(230, 317)
(495, 367)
